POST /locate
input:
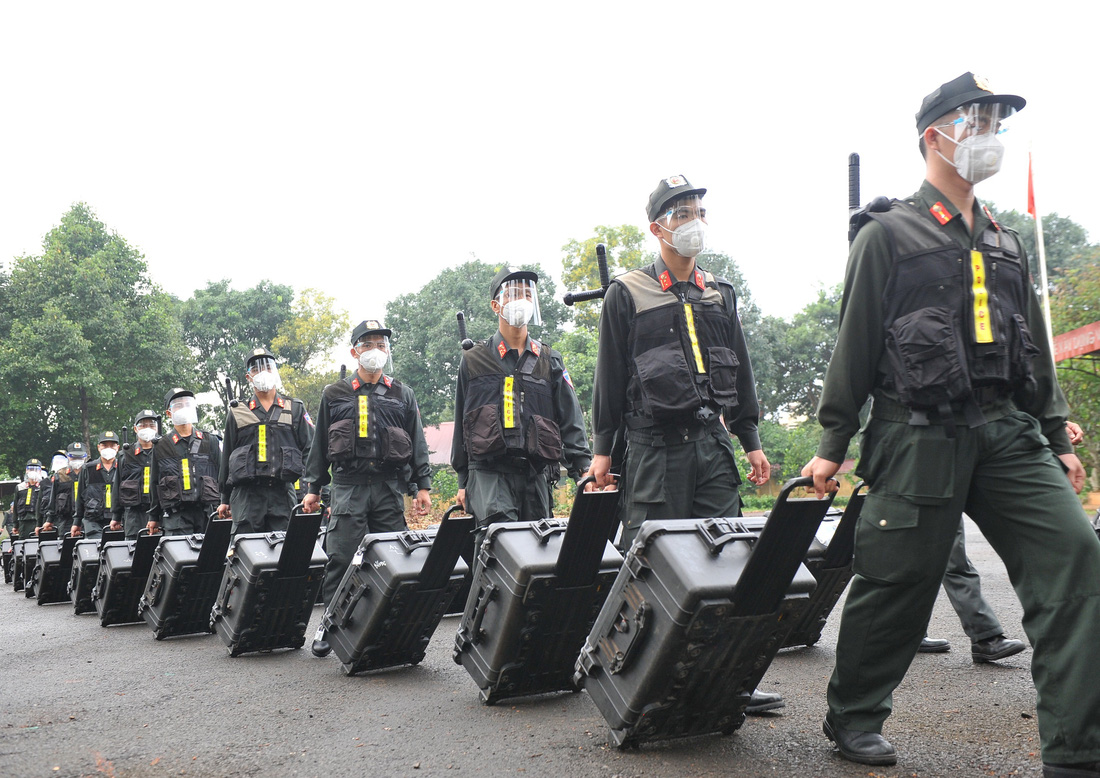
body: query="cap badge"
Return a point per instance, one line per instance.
(675, 181)
(982, 83)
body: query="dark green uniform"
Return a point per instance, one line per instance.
(135, 488)
(368, 434)
(990, 452)
(25, 507)
(185, 475)
(61, 506)
(672, 359)
(97, 497)
(264, 455)
(517, 419)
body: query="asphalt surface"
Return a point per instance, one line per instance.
(77, 699)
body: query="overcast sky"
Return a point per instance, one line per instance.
(360, 148)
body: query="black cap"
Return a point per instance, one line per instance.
(146, 414)
(967, 88)
(33, 463)
(507, 274)
(669, 189)
(257, 353)
(107, 436)
(173, 394)
(76, 448)
(368, 327)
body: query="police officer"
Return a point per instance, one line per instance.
(25, 504)
(135, 479)
(673, 362)
(57, 463)
(368, 431)
(516, 414)
(265, 444)
(97, 493)
(184, 470)
(64, 486)
(940, 325)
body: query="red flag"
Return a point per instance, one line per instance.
(1031, 190)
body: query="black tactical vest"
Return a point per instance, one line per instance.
(25, 502)
(266, 446)
(368, 426)
(99, 496)
(510, 415)
(63, 494)
(681, 365)
(135, 487)
(955, 320)
(190, 477)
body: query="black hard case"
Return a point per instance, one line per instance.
(17, 582)
(184, 582)
(51, 574)
(394, 595)
(693, 620)
(85, 568)
(269, 586)
(829, 559)
(537, 589)
(6, 558)
(124, 566)
(27, 559)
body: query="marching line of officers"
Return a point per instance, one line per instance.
(939, 325)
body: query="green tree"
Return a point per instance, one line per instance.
(307, 385)
(625, 251)
(1065, 241)
(802, 354)
(426, 350)
(86, 339)
(313, 329)
(222, 325)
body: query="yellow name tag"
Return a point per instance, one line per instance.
(186, 466)
(261, 446)
(107, 499)
(145, 481)
(983, 326)
(29, 493)
(690, 316)
(364, 407)
(509, 403)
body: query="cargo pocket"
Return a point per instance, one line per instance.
(169, 488)
(482, 432)
(129, 492)
(926, 355)
(917, 463)
(396, 445)
(241, 465)
(543, 440)
(93, 506)
(210, 493)
(341, 440)
(888, 543)
(667, 385)
(723, 375)
(292, 464)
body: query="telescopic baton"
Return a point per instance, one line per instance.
(605, 281)
(853, 194)
(464, 341)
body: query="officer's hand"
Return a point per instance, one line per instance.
(761, 468)
(1074, 472)
(75, 531)
(600, 470)
(115, 526)
(423, 502)
(224, 512)
(822, 470)
(1076, 434)
(153, 527)
(310, 502)
(460, 498)
(47, 527)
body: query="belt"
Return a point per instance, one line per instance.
(363, 479)
(891, 410)
(504, 464)
(671, 435)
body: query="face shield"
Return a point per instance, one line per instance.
(76, 461)
(519, 302)
(184, 410)
(59, 462)
(33, 474)
(373, 352)
(684, 225)
(264, 374)
(975, 129)
(146, 430)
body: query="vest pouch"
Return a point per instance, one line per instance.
(667, 384)
(1021, 351)
(129, 492)
(64, 499)
(341, 440)
(723, 375)
(927, 358)
(209, 492)
(93, 506)
(483, 433)
(395, 445)
(543, 442)
(242, 465)
(170, 490)
(291, 469)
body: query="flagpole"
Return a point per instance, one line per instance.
(1034, 210)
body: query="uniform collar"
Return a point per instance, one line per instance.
(385, 380)
(932, 201)
(667, 280)
(497, 344)
(254, 403)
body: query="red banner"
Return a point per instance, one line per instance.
(1074, 343)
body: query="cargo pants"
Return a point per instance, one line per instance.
(964, 589)
(357, 509)
(512, 495)
(1004, 476)
(257, 508)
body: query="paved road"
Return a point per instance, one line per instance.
(77, 699)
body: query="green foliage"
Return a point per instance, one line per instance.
(222, 325)
(426, 350)
(625, 251)
(86, 339)
(1065, 241)
(314, 328)
(307, 385)
(444, 484)
(801, 354)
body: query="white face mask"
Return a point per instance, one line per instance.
(184, 415)
(977, 157)
(690, 239)
(518, 312)
(108, 454)
(146, 434)
(76, 464)
(265, 381)
(374, 360)
(58, 463)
